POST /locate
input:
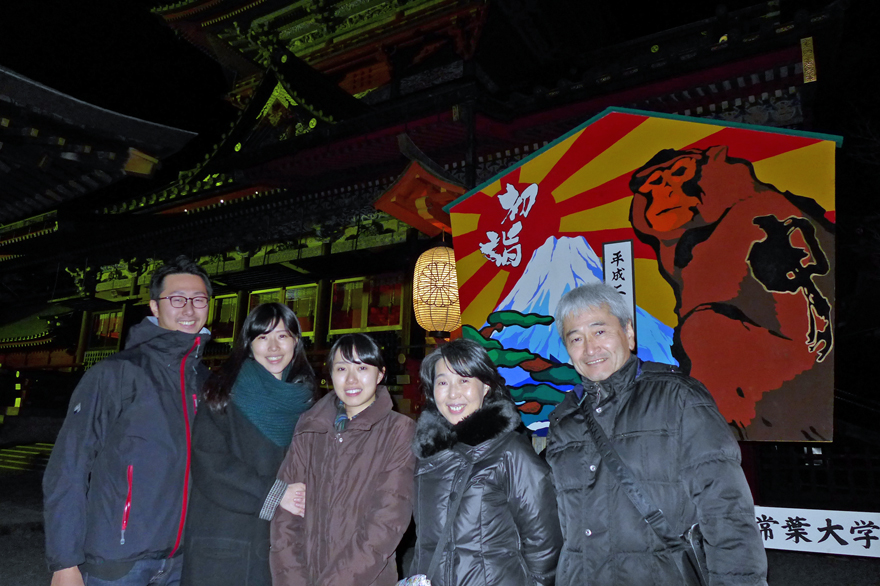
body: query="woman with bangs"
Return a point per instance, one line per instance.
(352, 453)
(485, 508)
(243, 427)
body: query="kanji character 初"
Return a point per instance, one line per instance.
(517, 203)
(765, 525)
(865, 529)
(830, 531)
(795, 529)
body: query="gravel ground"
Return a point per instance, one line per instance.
(23, 563)
(21, 530)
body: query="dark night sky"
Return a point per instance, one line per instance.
(117, 55)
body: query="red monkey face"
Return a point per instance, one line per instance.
(670, 206)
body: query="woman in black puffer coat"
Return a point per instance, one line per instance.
(506, 530)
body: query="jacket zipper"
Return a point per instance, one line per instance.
(195, 404)
(195, 345)
(127, 509)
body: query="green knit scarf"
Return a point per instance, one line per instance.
(273, 405)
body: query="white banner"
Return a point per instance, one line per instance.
(617, 262)
(817, 531)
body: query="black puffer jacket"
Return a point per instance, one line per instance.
(666, 428)
(506, 532)
(115, 484)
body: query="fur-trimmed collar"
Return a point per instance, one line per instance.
(435, 434)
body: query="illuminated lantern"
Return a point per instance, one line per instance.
(435, 292)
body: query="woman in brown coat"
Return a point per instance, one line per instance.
(353, 454)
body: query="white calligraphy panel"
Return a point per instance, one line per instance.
(617, 261)
(818, 531)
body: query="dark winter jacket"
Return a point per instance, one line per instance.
(234, 471)
(666, 428)
(116, 483)
(506, 531)
(358, 498)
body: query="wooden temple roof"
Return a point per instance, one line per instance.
(55, 148)
(684, 70)
(367, 148)
(346, 39)
(38, 328)
(305, 154)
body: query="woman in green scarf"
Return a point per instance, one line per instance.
(241, 433)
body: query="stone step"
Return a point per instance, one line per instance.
(25, 457)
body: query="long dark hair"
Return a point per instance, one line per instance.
(468, 359)
(261, 320)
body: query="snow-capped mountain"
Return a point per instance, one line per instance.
(556, 267)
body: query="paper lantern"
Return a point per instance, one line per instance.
(435, 292)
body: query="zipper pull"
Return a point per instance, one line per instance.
(122, 540)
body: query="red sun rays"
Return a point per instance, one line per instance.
(544, 219)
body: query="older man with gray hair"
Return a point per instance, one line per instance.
(640, 454)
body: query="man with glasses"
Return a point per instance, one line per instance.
(116, 486)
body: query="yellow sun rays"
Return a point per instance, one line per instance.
(535, 170)
(463, 223)
(605, 217)
(638, 145)
(485, 301)
(807, 171)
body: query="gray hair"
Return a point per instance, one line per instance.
(584, 297)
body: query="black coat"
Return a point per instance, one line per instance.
(234, 467)
(121, 457)
(506, 532)
(667, 430)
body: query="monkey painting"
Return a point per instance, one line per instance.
(752, 270)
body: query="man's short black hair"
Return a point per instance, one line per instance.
(180, 265)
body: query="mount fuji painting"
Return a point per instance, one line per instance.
(721, 237)
(556, 267)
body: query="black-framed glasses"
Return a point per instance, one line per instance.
(179, 301)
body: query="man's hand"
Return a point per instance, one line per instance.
(67, 577)
(294, 500)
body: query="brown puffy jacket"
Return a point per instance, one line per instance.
(359, 487)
